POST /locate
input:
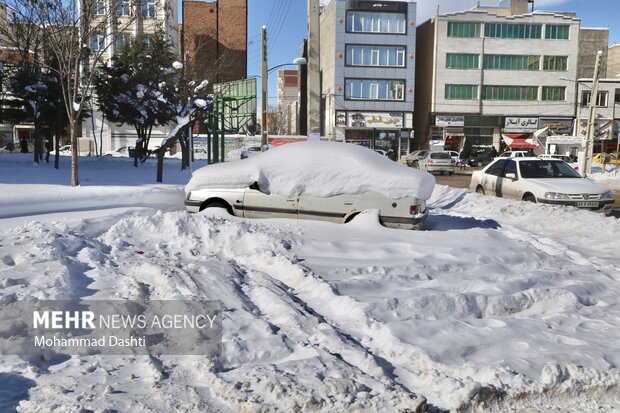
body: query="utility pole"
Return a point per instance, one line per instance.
(264, 141)
(314, 74)
(587, 157)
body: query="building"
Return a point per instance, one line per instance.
(606, 113)
(288, 99)
(120, 20)
(488, 72)
(215, 39)
(367, 71)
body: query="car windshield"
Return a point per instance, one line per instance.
(547, 169)
(440, 155)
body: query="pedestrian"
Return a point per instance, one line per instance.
(493, 152)
(463, 158)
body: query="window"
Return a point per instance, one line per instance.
(510, 92)
(146, 40)
(617, 97)
(373, 22)
(462, 61)
(557, 93)
(371, 89)
(365, 55)
(148, 8)
(510, 168)
(555, 63)
(497, 168)
(122, 39)
(122, 7)
(513, 31)
(97, 41)
(511, 62)
(557, 31)
(461, 92)
(463, 29)
(601, 99)
(99, 7)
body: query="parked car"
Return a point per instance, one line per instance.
(481, 158)
(380, 152)
(613, 159)
(438, 162)
(515, 154)
(252, 188)
(572, 161)
(549, 181)
(454, 155)
(414, 157)
(200, 153)
(122, 151)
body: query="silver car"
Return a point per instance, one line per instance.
(438, 162)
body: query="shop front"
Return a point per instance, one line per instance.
(376, 130)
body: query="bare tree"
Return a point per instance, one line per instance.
(61, 31)
(277, 121)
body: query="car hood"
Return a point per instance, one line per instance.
(567, 185)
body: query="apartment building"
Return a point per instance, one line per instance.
(367, 71)
(488, 72)
(606, 113)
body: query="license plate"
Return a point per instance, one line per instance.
(586, 204)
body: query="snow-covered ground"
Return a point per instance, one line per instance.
(498, 306)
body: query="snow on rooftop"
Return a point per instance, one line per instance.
(320, 169)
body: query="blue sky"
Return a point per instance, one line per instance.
(286, 22)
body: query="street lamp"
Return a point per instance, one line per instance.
(300, 61)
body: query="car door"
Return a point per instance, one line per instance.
(509, 187)
(490, 180)
(258, 204)
(333, 208)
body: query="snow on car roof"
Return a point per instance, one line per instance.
(320, 169)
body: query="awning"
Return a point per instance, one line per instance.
(520, 141)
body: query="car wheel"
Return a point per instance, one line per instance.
(351, 217)
(415, 164)
(479, 163)
(217, 204)
(450, 173)
(480, 190)
(529, 198)
(441, 173)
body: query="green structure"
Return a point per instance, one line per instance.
(234, 113)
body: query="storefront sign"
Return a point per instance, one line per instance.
(603, 129)
(341, 119)
(444, 121)
(375, 120)
(521, 124)
(557, 126)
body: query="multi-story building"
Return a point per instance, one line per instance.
(288, 99)
(368, 66)
(484, 73)
(120, 20)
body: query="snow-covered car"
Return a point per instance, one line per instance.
(549, 181)
(438, 162)
(325, 181)
(122, 151)
(568, 159)
(414, 157)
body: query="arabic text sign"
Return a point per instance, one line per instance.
(375, 120)
(521, 124)
(450, 121)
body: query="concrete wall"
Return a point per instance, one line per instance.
(424, 79)
(590, 42)
(613, 61)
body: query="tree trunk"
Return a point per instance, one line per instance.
(75, 181)
(37, 139)
(160, 164)
(183, 143)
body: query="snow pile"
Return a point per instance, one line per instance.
(500, 306)
(611, 178)
(320, 169)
